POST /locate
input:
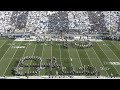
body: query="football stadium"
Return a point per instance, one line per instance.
(59, 44)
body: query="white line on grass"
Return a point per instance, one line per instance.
(100, 61)
(51, 51)
(6, 52)
(115, 46)
(113, 53)
(32, 55)
(70, 59)
(24, 52)
(79, 57)
(89, 58)
(3, 44)
(51, 56)
(41, 57)
(11, 60)
(108, 59)
(26, 49)
(60, 57)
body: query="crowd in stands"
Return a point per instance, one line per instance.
(60, 20)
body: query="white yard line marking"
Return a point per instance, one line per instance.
(32, 55)
(24, 53)
(51, 51)
(79, 57)
(86, 50)
(89, 58)
(112, 52)
(51, 58)
(70, 59)
(11, 60)
(3, 44)
(108, 58)
(100, 61)
(60, 57)
(5, 52)
(115, 46)
(41, 57)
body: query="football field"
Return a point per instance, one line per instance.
(104, 55)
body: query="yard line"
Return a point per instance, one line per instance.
(11, 60)
(114, 45)
(100, 61)
(24, 53)
(6, 52)
(79, 57)
(51, 57)
(3, 44)
(60, 57)
(41, 57)
(32, 55)
(113, 52)
(108, 58)
(51, 51)
(89, 58)
(26, 49)
(70, 60)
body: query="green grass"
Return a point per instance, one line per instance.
(101, 52)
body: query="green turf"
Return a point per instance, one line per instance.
(71, 58)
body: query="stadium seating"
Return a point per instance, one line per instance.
(78, 20)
